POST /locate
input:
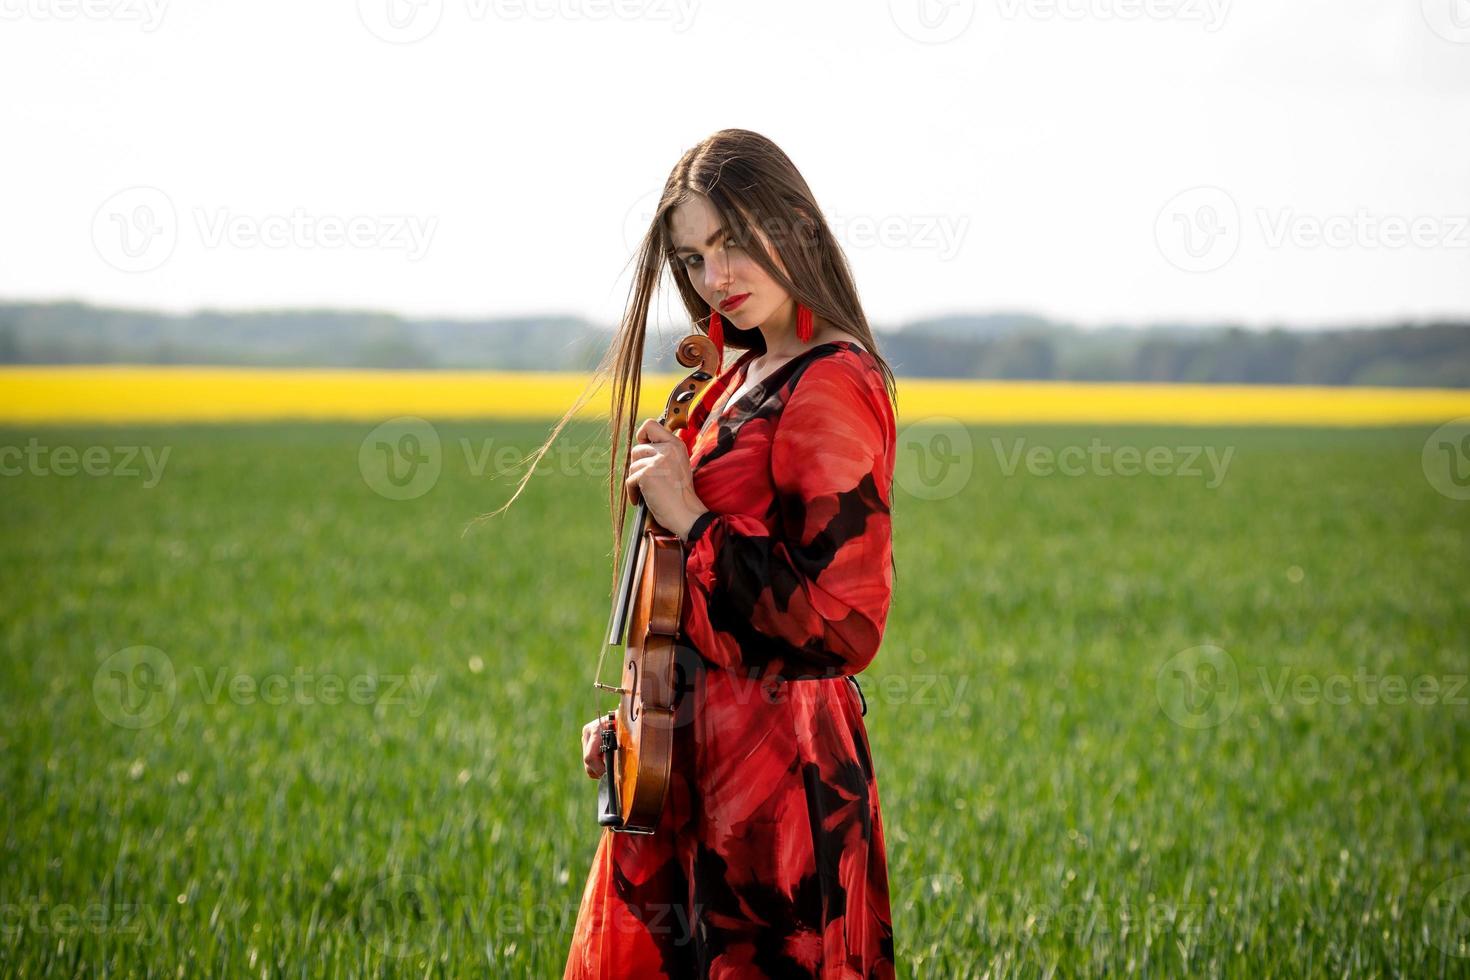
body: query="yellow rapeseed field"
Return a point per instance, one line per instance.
(126, 393)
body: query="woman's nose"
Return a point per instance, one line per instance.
(716, 274)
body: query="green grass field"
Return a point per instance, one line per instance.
(260, 719)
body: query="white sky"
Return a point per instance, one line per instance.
(499, 164)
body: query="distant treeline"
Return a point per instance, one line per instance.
(1009, 346)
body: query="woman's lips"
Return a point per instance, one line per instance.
(733, 302)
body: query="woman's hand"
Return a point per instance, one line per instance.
(592, 745)
(659, 467)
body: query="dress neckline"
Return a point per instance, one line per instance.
(741, 366)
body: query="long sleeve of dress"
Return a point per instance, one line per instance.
(806, 594)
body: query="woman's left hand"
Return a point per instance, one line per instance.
(659, 467)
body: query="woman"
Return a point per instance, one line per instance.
(769, 859)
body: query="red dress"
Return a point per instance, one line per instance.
(769, 858)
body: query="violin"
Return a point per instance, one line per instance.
(637, 749)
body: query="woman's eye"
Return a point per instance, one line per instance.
(689, 260)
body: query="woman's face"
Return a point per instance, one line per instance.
(721, 270)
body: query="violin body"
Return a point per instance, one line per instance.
(645, 715)
(638, 748)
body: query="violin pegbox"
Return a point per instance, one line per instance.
(694, 351)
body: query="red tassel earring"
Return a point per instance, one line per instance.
(803, 323)
(716, 332)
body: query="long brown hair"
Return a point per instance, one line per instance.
(752, 185)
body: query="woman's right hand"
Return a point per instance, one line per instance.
(592, 745)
